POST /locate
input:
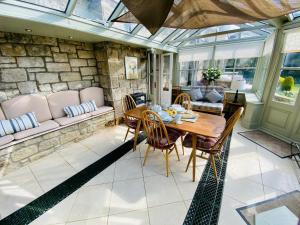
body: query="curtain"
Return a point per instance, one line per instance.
(195, 54)
(291, 41)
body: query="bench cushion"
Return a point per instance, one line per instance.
(57, 101)
(23, 104)
(6, 139)
(67, 121)
(102, 109)
(207, 106)
(92, 93)
(45, 126)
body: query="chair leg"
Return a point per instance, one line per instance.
(167, 162)
(187, 166)
(175, 146)
(213, 164)
(126, 134)
(182, 145)
(146, 155)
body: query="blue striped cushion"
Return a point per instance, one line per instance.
(74, 110)
(24, 122)
(89, 106)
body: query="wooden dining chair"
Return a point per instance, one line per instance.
(128, 104)
(213, 146)
(184, 100)
(159, 137)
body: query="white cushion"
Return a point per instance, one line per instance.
(57, 101)
(67, 121)
(27, 103)
(45, 126)
(92, 93)
(6, 139)
(2, 117)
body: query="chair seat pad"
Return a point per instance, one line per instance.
(202, 142)
(67, 121)
(132, 123)
(6, 139)
(162, 143)
(44, 126)
(101, 110)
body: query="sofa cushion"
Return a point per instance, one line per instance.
(6, 139)
(213, 96)
(2, 117)
(92, 93)
(207, 106)
(102, 109)
(24, 122)
(57, 101)
(27, 103)
(196, 94)
(67, 121)
(45, 126)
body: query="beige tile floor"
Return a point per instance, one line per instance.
(126, 193)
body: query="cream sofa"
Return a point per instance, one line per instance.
(50, 111)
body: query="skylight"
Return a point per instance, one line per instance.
(60, 5)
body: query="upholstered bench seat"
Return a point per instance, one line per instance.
(6, 139)
(207, 107)
(44, 126)
(67, 121)
(101, 110)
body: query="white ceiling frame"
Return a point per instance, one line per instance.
(219, 33)
(173, 34)
(136, 29)
(116, 12)
(70, 7)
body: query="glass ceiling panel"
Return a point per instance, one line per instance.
(164, 33)
(59, 5)
(128, 27)
(144, 32)
(296, 14)
(95, 10)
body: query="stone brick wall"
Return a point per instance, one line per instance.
(36, 64)
(111, 68)
(21, 154)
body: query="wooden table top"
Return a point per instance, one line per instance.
(207, 124)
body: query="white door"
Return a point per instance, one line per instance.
(165, 79)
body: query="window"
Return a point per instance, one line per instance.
(59, 5)
(288, 84)
(244, 67)
(191, 71)
(95, 10)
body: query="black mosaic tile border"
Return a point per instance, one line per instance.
(39, 206)
(206, 203)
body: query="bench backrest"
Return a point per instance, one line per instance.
(27, 103)
(92, 93)
(57, 101)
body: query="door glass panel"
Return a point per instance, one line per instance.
(288, 84)
(166, 73)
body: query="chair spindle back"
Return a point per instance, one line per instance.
(184, 100)
(154, 128)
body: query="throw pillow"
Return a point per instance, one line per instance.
(213, 96)
(24, 122)
(89, 106)
(74, 110)
(196, 94)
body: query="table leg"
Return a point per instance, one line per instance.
(194, 141)
(136, 134)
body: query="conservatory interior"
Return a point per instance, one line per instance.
(172, 112)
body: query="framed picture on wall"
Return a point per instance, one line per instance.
(131, 68)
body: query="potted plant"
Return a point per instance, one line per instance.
(211, 75)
